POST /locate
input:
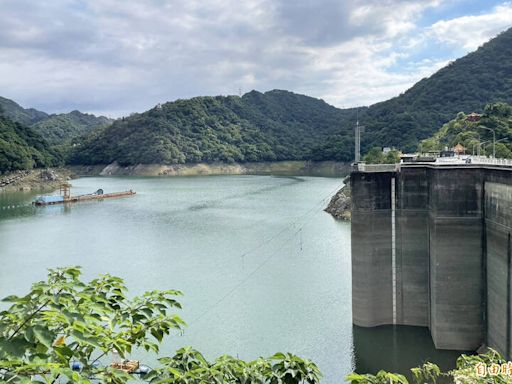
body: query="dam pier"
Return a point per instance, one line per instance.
(431, 247)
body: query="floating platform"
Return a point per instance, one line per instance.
(98, 195)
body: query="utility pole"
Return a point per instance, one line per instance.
(357, 140)
(493, 141)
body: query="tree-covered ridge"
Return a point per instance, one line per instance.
(62, 128)
(57, 129)
(276, 125)
(280, 125)
(476, 134)
(18, 114)
(23, 148)
(467, 84)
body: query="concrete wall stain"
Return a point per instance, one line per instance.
(453, 267)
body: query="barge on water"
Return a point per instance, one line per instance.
(65, 196)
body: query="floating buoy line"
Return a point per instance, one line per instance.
(15, 206)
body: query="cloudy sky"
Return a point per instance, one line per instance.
(114, 57)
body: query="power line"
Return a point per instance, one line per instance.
(268, 258)
(243, 281)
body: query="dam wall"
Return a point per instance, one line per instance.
(431, 247)
(371, 266)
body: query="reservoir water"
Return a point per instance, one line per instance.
(262, 267)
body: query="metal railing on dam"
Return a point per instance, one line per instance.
(362, 167)
(431, 246)
(447, 161)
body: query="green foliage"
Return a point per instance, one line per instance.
(57, 129)
(466, 84)
(64, 320)
(392, 157)
(189, 366)
(18, 114)
(277, 125)
(377, 156)
(426, 374)
(30, 138)
(22, 148)
(429, 145)
(429, 373)
(280, 125)
(381, 377)
(465, 373)
(503, 151)
(374, 156)
(63, 128)
(470, 134)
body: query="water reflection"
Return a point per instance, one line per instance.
(398, 349)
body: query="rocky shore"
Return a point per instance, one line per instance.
(296, 168)
(339, 206)
(34, 180)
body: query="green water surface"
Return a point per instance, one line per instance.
(262, 267)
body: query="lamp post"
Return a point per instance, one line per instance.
(358, 130)
(480, 146)
(493, 140)
(496, 142)
(475, 146)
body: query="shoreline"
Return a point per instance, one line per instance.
(340, 205)
(35, 180)
(50, 179)
(295, 168)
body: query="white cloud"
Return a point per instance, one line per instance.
(395, 17)
(115, 56)
(472, 31)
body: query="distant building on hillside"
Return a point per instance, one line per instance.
(459, 149)
(474, 117)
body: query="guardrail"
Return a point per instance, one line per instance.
(452, 161)
(362, 167)
(490, 161)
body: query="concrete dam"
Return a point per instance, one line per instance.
(431, 247)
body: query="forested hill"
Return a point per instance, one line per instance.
(276, 125)
(476, 135)
(18, 114)
(279, 125)
(465, 85)
(22, 148)
(64, 127)
(57, 129)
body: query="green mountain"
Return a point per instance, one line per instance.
(17, 113)
(276, 125)
(22, 148)
(64, 127)
(280, 125)
(476, 134)
(30, 138)
(465, 85)
(57, 129)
